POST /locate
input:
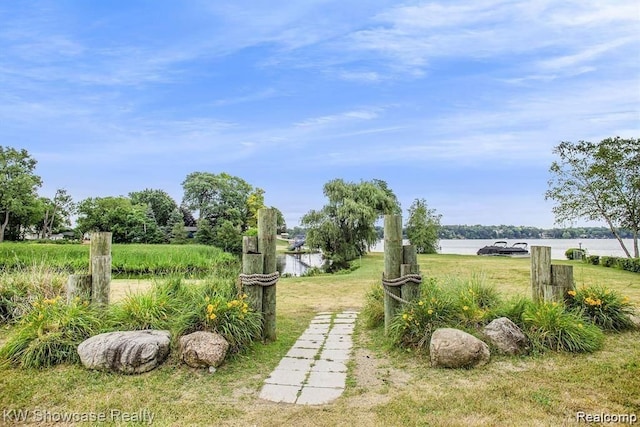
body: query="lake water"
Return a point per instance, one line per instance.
(297, 265)
(606, 247)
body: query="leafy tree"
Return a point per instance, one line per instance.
(228, 237)
(18, 184)
(127, 222)
(281, 224)
(423, 226)
(255, 202)
(57, 212)
(599, 182)
(161, 203)
(205, 234)
(217, 197)
(345, 227)
(175, 229)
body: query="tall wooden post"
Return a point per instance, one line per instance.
(392, 262)
(561, 283)
(409, 291)
(79, 286)
(100, 267)
(267, 247)
(252, 263)
(540, 271)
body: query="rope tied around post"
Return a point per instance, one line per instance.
(257, 279)
(391, 283)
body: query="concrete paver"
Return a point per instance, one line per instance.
(280, 393)
(314, 370)
(318, 395)
(283, 377)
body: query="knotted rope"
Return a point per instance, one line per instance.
(392, 283)
(258, 279)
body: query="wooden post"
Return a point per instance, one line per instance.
(561, 283)
(392, 262)
(409, 291)
(252, 263)
(79, 285)
(540, 271)
(100, 267)
(267, 247)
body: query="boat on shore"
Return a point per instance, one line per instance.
(501, 248)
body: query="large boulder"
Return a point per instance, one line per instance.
(453, 348)
(203, 349)
(129, 352)
(506, 336)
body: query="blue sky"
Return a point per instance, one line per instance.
(457, 102)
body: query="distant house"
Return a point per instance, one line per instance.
(191, 232)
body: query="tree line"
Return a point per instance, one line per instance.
(526, 232)
(594, 181)
(226, 207)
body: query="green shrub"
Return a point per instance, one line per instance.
(373, 310)
(574, 253)
(238, 323)
(49, 333)
(629, 264)
(608, 261)
(21, 286)
(457, 304)
(416, 322)
(473, 300)
(593, 260)
(602, 307)
(550, 327)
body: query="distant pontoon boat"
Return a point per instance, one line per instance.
(501, 248)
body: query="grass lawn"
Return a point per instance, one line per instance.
(384, 386)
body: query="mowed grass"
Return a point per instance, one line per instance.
(385, 387)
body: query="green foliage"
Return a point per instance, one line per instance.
(219, 198)
(50, 332)
(574, 253)
(549, 326)
(603, 307)
(465, 304)
(18, 184)
(20, 287)
(345, 227)
(128, 260)
(593, 259)
(373, 311)
(422, 227)
(228, 237)
(628, 264)
(129, 223)
(598, 182)
(205, 234)
(160, 203)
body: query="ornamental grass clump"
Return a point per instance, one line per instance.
(21, 286)
(415, 322)
(50, 332)
(474, 301)
(373, 310)
(603, 307)
(233, 318)
(550, 326)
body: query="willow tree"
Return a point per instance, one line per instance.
(344, 228)
(599, 182)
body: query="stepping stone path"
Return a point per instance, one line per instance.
(314, 370)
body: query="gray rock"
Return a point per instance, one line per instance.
(506, 336)
(203, 349)
(452, 348)
(635, 320)
(129, 352)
